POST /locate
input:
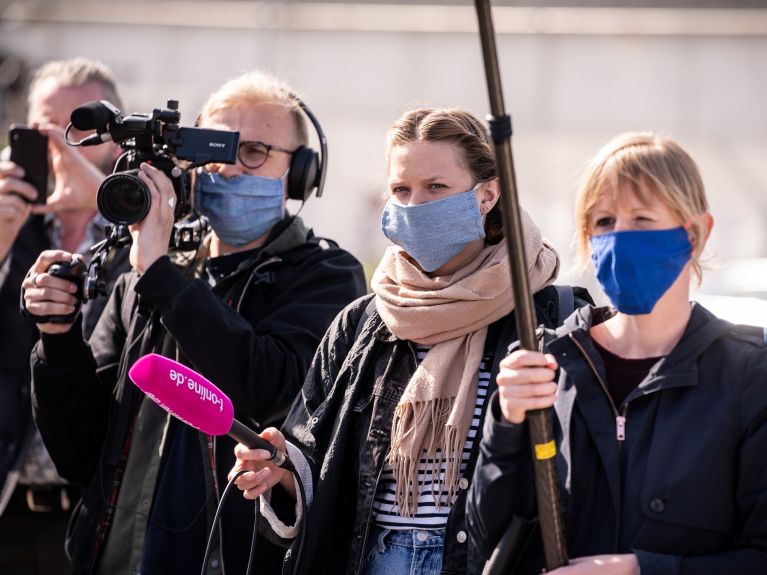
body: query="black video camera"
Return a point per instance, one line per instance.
(154, 138)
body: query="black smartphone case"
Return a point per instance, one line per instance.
(29, 149)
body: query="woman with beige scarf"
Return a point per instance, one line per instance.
(385, 428)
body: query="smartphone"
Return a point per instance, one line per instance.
(29, 149)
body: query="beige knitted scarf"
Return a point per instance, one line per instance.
(450, 314)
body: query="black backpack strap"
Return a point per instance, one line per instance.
(565, 303)
(369, 309)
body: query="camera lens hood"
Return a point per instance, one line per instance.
(123, 198)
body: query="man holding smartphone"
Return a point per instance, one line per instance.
(35, 502)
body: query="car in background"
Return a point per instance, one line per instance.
(737, 291)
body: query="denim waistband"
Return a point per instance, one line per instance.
(414, 538)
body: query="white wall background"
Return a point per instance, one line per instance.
(572, 79)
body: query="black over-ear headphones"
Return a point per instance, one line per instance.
(307, 167)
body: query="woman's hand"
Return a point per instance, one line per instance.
(46, 295)
(526, 382)
(626, 564)
(261, 474)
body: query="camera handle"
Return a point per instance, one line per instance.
(94, 283)
(73, 271)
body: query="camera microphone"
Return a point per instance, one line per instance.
(190, 397)
(94, 115)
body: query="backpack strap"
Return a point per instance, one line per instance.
(565, 302)
(369, 309)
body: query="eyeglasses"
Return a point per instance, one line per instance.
(253, 154)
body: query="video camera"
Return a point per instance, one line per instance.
(154, 138)
(123, 198)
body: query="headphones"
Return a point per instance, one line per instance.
(307, 167)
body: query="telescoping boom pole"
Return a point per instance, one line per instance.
(541, 432)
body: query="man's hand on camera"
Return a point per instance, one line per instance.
(46, 295)
(77, 180)
(15, 198)
(152, 234)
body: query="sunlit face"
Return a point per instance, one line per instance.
(422, 172)
(53, 104)
(626, 211)
(270, 123)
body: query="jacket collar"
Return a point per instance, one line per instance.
(677, 369)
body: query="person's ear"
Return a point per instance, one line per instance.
(490, 194)
(702, 224)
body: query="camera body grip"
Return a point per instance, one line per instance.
(74, 271)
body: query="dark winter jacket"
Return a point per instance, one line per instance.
(254, 338)
(18, 336)
(342, 423)
(686, 490)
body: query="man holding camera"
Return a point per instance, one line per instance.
(34, 501)
(265, 291)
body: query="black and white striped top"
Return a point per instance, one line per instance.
(428, 515)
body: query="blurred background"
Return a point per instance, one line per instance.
(575, 73)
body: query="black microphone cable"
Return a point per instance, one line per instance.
(288, 466)
(217, 518)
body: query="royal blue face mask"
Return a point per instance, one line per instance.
(635, 268)
(240, 209)
(435, 232)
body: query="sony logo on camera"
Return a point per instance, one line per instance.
(216, 145)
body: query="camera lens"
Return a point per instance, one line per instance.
(123, 198)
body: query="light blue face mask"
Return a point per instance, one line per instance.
(240, 209)
(435, 232)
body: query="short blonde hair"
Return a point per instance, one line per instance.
(653, 167)
(74, 73)
(253, 88)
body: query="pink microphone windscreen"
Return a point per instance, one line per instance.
(184, 393)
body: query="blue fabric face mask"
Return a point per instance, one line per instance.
(635, 268)
(435, 232)
(240, 209)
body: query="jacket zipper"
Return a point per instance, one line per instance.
(620, 417)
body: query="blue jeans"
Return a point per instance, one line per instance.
(404, 552)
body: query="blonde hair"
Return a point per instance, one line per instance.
(74, 73)
(254, 88)
(651, 166)
(463, 130)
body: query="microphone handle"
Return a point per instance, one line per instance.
(248, 437)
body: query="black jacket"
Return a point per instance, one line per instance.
(18, 337)
(254, 338)
(342, 423)
(686, 491)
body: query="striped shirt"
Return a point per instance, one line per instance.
(428, 515)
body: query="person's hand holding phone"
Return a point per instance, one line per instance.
(77, 180)
(16, 197)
